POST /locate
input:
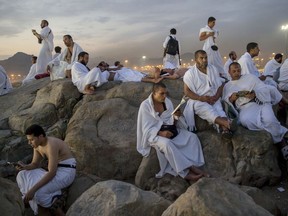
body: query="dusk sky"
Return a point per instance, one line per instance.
(125, 28)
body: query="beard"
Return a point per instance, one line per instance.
(83, 62)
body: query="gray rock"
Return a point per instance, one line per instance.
(118, 198)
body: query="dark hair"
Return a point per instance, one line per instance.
(251, 46)
(35, 130)
(34, 57)
(116, 63)
(45, 21)
(101, 64)
(211, 19)
(82, 54)
(234, 63)
(231, 54)
(57, 49)
(69, 36)
(157, 86)
(278, 55)
(173, 31)
(199, 52)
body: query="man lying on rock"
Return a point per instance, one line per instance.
(41, 188)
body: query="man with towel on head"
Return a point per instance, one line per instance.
(83, 78)
(60, 67)
(179, 151)
(41, 188)
(209, 35)
(46, 38)
(203, 86)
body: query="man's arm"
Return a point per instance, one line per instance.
(205, 35)
(33, 165)
(219, 92)
(52, 155)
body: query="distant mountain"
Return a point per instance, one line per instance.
(19, 63)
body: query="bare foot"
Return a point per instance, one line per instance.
(192, 176)
(89, 92)
(199, 171)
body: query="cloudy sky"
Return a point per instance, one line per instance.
(128, 28)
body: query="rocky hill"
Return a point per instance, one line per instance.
(112, 176)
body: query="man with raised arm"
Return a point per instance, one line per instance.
(45, 37)
(41, 188)
(179, 151)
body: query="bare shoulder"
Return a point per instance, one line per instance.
(53, 141)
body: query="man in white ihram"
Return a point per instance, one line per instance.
(203, 86)
(5, 84)
(60, 67)
(179, 152)
(209, 35)
(46, 38)
(83, 78)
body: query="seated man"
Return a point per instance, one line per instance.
(283, 77)
(243, 92)
(128, 75)
(32, 72)
(5, 84)
(203, 86)
(41, 188)
(86, 81)
(60, 67)
(179, 152)
(271, 70)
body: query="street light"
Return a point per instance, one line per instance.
(285, 28)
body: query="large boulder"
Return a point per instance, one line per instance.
(209, 197)
(118, 198)
(10, 199)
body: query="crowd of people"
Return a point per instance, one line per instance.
(207, 84)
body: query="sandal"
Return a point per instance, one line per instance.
(234, 125)
(284, 151)
(58, 201)
(227, 134)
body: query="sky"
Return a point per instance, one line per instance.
(123, 29)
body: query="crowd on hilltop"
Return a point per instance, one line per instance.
(225, 95)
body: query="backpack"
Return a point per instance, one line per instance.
(172, 47)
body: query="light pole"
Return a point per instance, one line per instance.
(285, 28)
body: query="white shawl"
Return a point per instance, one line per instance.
(149, 124)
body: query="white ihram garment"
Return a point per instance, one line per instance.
(202, 85)
(45, 54)
(59, 62)
(175, 155)
(248, 65)
(31, 75)
(283, 77)
(26, 179)
(5, 84)
(270, 71)
(214, 57)
(81, 76)
(252, 115)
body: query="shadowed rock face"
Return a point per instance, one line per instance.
(101, 131)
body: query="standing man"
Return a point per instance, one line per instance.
(65, 60)
(171, 50)
(179, 151)
(41, 188)
(46, 38)
(209, 35)
(232, 58)
(204, 88)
